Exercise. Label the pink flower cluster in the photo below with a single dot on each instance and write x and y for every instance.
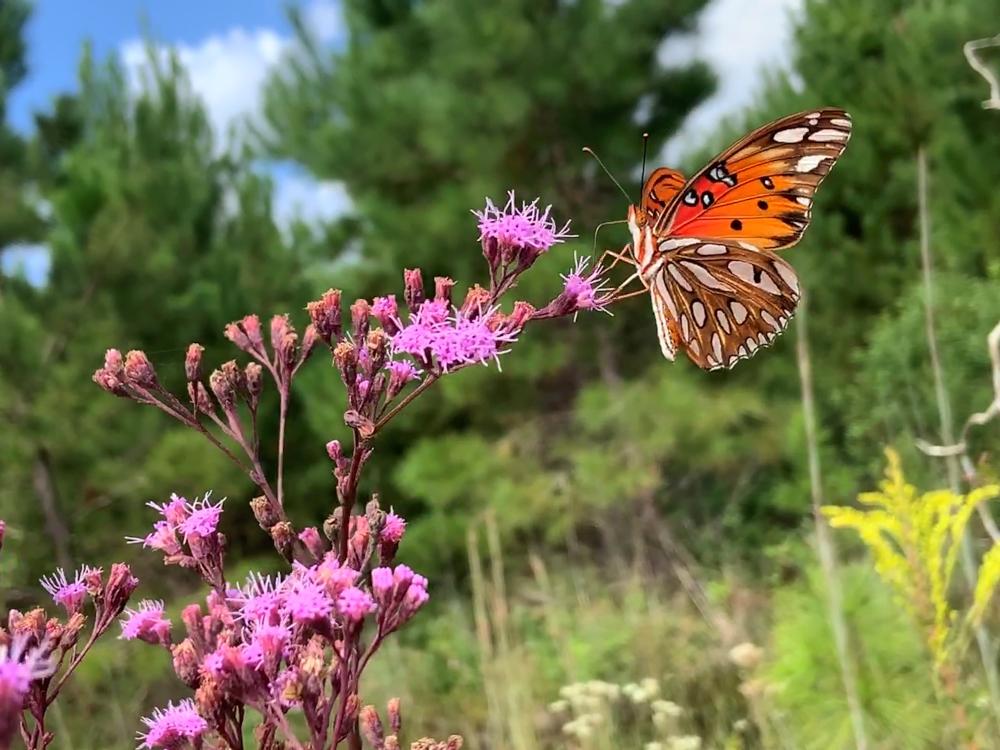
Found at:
(518, 234)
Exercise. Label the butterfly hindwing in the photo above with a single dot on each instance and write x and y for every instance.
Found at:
(725, 300)
(760, 190)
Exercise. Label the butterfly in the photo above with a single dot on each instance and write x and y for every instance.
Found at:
(705, 247)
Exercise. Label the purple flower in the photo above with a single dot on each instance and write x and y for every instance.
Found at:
(403, 370)
(147, 623)
(333, 576)
(304, 599)
(18, 667)
(172, 727)
(394, 527)
(266, 643)
(162, 538)
(173, 512)
(470, 341)
(259, 600)
(584, 289)
(333, 450)
(523, 233)
(67, 594)
(382, 582)
(385, 310)
(354, 604)
(202, 519)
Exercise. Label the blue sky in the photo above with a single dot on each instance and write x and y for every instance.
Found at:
(228, 47)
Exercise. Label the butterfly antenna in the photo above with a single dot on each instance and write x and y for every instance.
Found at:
(589, 150)
(645, 145)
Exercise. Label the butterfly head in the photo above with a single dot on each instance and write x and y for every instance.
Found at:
(643, 242)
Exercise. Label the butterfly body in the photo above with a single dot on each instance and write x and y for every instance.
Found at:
(704, 248)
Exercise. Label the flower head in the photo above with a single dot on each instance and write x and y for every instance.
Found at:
(304, 599)
(470, 341)
(20, 665)
(584, 289)
(395, 526)
(172, 726)
(522, 233)
(68, 594)
(147, 623)
(354, 604)
(259, 599)
(202, 518)
(173, 512)
(163, 538)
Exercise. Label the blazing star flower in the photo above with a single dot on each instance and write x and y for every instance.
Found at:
(354, 604)
(470, 341)
(19, 666)
(523, 233)
(265, 644)
(202, 519)
(259, 600)
(385, 309)
(172, 727)
(67, 594)
(395, 526)
(162, 538)
(585, 289)
(173, 512)
(147, 623)
(382, 582)
(304, 599)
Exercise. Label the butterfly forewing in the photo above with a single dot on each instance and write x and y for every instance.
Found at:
(723, 301)
(660, 189)
(760, 190)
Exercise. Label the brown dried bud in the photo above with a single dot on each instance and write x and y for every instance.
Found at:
(283, 536)
(191, 616)
(253, 377)
(353, 706)
(455, 742)
(395, 716)
(520, 315)
(93, 581)
(309, 341)
(312, 663)
(211, 699)
(287, 351)
(223, 389)
(32, 623)
(442, 288)
(345, 357)
(71, 633)
(263, 512)
(391, 742)
(476, 299)
(139, 370)
(360, 311)
(413, 288)
(192, 362)
(371, 727)
(199, 397)
(325, 315)
(186, 662)
(121, 584)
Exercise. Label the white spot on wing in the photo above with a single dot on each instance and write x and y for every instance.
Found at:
(676, 242)
(828, 134)
(769, 319)
(679, 277)
(742, 270)
(841, 122)
(804, 201)
(698, 310)
(712, 249)
(792, 135)
(685, 327)
(705, 277)
(723, 321)
(787, 275)
(763, 339)
(751, 345)
(809, 162)
(739, 311)
(717, 345)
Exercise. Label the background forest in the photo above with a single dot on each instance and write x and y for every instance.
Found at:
(624, 552)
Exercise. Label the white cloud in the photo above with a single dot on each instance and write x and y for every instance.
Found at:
(228, 71)
(31, 261)
(739, 39)
(301, 197)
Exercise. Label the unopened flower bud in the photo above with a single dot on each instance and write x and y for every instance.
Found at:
(283, 537)
(377, 342)
(192, 362)
(309, 340)
(395, 716)
(520, 315)
(186, 663)
(223, 389)
(234, 375)
(71, 633)
(253, 377)
(199, 396)
(121, 584)
(345, 357)
(251, 326)
(236, 334)
(110, 383)
(310, 537)
(280, 328)
(476, 299)
(386, 312)
(442, 288)
(413, 288)
(334, 451)
(114, 363)
(353, 706)
(325, 315)
(264, 512)
(360, 312)
(139, 370)
(371, 727)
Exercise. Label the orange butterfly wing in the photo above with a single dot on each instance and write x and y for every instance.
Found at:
(660, 189)
(760, 190)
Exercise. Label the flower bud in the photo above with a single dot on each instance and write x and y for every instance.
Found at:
(121, 584)
(280, 328)
(395, 716)
(253, 377)
(309, 340)
(371, 727)
(283, 537)
(114, 363)
(110, 383)
(359, 318)
(192, 362)
(334, 451)
(139, 370)
(345, 357)
(223, 389)
(442, 288)
(325, 315)
(186, 663)
(413, 288)
(199, 396)
(235, 333)
(476, 299)
(251, 327)
(310, 537)
(234, 375)
(520, 315)
(264, 512)
(386, 312)
(71, 633)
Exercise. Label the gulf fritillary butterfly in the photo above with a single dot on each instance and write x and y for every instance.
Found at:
(704, 247)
